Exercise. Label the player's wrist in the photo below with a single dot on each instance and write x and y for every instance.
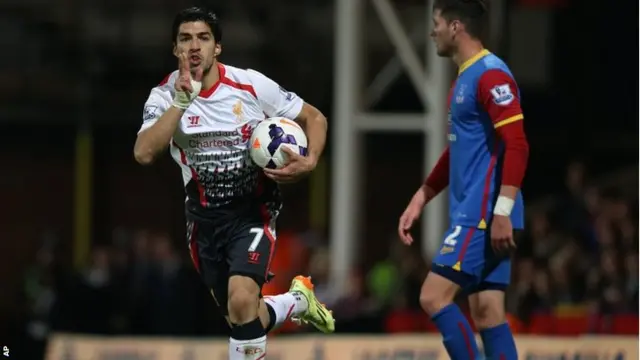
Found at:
(179, 103)
(313, 159)
(182, 99)
(178, 107)
(422, 196)
(504, 206)
(429, 191)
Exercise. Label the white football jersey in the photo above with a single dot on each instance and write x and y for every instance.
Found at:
(211, 144)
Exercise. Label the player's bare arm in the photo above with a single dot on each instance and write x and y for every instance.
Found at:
(154, 140)
(498, 93)
(314, 124)
(437, 181)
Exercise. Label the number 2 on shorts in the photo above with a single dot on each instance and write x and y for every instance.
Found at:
(259, 232)
(452, 239)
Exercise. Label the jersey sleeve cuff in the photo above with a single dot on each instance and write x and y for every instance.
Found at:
(295, 110)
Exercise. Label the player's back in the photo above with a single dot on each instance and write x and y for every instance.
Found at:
(475, 149)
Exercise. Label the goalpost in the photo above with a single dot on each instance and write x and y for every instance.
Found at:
(351, 122)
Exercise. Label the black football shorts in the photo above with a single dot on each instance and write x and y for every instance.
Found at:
(233, 243)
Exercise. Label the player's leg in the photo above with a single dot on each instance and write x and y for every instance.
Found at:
(436, 298)
(248, 336)
(316, 313)
(452, 270)
(299, 304)
(208, 259)
(249, 251)
(276, 309)
(487, 306)
(254, 246)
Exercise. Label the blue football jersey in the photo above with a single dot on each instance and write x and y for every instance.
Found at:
(476, 151)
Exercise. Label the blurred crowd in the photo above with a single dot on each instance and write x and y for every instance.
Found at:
(581, 248)
(579, 252)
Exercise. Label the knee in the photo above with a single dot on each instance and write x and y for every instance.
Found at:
(242, 304)
(435, 295)
(487, 315)
(432, 302)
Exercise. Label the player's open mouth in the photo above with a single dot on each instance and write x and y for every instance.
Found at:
(194, 59)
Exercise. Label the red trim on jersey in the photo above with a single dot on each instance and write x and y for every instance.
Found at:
(465, 244)
(498, 111)
(266, 220)
(221, 73)
(165, 80)
(194, 175)
(223, 79)
(487, 183)
(193, 247)
(516, 153)
(438, 178)
(244, 87)
(507, 120)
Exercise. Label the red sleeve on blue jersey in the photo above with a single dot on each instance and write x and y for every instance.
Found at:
(438, 178)
(498, 94)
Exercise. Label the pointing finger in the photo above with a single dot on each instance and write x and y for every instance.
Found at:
(183, 64)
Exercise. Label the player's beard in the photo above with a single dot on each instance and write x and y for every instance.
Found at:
(207, 68)
(445, 51)
(205, 71)
(446, 48)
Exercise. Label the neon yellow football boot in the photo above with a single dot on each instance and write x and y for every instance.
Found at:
(317, 314)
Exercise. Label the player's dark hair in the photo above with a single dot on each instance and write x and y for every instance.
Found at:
(472, 13)
(196, 13)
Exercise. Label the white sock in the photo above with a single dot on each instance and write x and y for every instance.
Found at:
(287, 305)
(255, 349)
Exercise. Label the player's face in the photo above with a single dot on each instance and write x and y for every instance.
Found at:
(196, 40)
(442, 35)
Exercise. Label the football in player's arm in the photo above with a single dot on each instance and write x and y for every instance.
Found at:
(212, 219)
(154, 139)
(309, 117)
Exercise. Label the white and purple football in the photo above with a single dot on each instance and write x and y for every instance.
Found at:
(270, 136)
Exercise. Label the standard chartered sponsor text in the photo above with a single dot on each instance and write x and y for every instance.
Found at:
(213, 143)
(213, 139)
(209, 134)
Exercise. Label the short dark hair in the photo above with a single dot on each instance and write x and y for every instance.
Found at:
(196, 13)
(472, 13)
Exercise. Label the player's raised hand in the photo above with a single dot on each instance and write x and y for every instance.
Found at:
(502, 234)
(187, 86)
(410, 215)
(296, 168)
